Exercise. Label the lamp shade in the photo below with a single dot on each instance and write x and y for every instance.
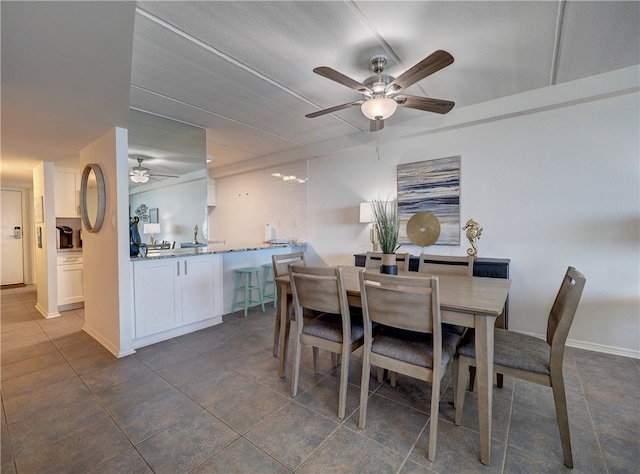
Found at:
(151, 228)
(382, 107)
(366, 213)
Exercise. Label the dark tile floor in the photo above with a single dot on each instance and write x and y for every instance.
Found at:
(212, 401)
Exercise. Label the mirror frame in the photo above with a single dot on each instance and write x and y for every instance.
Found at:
(102, 198)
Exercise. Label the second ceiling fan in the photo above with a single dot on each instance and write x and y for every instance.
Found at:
(383, 93)
(141, 174)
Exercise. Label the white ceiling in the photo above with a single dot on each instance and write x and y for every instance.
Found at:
(243, 70)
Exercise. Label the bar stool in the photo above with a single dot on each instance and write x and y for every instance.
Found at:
(267, 280)
(247, 288)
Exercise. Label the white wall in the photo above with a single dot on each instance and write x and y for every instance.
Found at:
(178, 212)
(107, 266)
(45, 257)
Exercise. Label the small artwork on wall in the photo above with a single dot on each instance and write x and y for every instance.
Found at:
(153, 215)
(432, 186)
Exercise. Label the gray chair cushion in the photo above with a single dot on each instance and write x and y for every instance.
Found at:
(413, 347)
(513, 349)
(459, 330)
(329, 326)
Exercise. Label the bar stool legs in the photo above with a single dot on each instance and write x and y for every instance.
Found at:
(269, 292)
(249, 286)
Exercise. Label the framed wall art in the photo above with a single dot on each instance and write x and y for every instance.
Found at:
(432, 186)
(153, 215)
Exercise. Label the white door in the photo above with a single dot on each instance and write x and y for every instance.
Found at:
(11, 238)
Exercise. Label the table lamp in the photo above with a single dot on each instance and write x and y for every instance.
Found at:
(366, 217)
(152, 229)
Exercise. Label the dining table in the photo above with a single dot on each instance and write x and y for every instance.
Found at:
(473, 302)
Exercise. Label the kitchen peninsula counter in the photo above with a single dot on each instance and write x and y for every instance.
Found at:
(178, 291)
(213, 248)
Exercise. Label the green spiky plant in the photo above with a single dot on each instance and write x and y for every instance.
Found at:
(386, 224)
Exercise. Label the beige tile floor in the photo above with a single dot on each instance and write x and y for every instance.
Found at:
(212, 401)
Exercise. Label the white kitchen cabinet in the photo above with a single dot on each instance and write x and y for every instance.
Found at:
(200, 300)
(170, 293)
(67, 193)
(70, 279)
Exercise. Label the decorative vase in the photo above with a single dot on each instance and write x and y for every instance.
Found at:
(134, 237)
(389, 265)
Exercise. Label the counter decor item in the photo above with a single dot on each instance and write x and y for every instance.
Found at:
(195, 235)
(423, 229)
(474, 231)
(134, 237)
(387, 228)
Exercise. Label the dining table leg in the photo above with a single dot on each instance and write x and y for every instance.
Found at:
(283, 314)
(484, 336)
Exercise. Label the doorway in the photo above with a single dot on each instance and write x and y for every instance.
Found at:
(12, 268)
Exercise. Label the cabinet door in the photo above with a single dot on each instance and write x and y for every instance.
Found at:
(201, 297)
(157, 296)
(66, 193)
(70, 285)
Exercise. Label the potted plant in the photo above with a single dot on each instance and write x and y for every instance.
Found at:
(387, 226)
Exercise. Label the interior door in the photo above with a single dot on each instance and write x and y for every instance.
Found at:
(11, 238)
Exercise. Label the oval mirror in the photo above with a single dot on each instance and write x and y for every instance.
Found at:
(92, 197)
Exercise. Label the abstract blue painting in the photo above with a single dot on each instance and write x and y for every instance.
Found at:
(432, 186)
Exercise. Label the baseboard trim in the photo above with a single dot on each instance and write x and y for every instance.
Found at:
(46, 314)
(592, 346)
(107, 344)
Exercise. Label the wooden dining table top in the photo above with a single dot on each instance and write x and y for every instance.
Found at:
(462, 294)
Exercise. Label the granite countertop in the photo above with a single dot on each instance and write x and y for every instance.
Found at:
(213, 248)
(74, 249)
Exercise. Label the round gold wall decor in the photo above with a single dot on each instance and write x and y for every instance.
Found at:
(423, 229)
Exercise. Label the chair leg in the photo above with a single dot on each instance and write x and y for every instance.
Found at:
(560, 400)
(433, 421)
(334, 360)
(344, 383)
(454, 377)
(296, 366)
(472, 377)
(247, 293)
(463, 369)
(287, 332)
(276, 336)
(393, 378)
(259, 288)
(364, 389)
(316, 360)
(380, 374)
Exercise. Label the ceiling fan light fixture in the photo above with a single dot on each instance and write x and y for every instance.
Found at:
(382, 107)
(139, 178)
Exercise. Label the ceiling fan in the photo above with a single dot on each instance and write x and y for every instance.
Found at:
(141, 174)
(382, 92)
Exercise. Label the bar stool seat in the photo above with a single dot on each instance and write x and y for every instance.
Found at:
(267, 279)
(247, 287)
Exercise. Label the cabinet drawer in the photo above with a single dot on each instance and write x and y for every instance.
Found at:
(70, 258)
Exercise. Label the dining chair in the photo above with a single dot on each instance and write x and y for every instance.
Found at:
(322, 289)
(409, 340)
(451, 265)
(446, 264)
(281, 264)
(532, 359)
(374, 260)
